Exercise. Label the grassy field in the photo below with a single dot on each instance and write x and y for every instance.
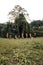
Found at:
(21, 51)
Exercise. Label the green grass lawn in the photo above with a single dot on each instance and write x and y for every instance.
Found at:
(21, 51)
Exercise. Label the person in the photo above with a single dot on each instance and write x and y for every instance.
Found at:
(26, 35)
(7, 35)
(10, 35)
(18, 36)
(30, 35)
(22, 35)
(15, 36)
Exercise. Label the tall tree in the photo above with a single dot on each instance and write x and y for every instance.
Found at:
(14, 13)
(18, 16)
(22, 25)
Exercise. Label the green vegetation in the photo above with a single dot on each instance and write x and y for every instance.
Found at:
(21, 51)
(37, 27)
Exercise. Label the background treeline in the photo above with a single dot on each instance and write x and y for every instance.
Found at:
(22, 26)
(37, 27)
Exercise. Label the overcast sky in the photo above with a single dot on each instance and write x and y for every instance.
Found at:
(33, 7)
